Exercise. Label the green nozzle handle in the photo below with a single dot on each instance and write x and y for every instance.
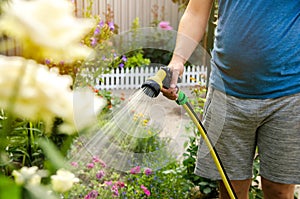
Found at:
(182, 98)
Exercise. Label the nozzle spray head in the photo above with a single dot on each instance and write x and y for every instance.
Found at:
(153, 85)
(151, 88)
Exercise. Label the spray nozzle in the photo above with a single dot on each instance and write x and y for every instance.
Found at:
(162, 78)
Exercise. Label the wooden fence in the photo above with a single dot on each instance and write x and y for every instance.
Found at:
(134, 78)
(124, 12)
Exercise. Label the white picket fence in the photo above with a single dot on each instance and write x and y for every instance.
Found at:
(135, 77)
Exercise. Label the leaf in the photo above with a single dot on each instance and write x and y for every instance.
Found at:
(207, 190)
(203, 183)
(8, 189)
(169, 171)
(53, 154)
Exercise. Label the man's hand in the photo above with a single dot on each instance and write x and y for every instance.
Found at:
(177, 71)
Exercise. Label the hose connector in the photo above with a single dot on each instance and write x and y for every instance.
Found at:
(182, 98)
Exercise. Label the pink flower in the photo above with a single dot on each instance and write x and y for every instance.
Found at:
(165, 25)
(120, 184)
(146, 191)
(90, 165)
(92, 195)
(74, 164)
(108, 183)
(103, 164)
(97, 160)
(135, 170)
(100, 175)
(148, 171)
(115, 190)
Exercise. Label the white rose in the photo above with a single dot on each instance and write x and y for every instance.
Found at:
(40, 94)
(27, 175)
(46, 29)
(63, 181)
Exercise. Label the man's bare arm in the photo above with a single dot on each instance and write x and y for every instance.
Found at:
(191, 29)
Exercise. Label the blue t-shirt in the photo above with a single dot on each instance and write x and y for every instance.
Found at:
(257, 48)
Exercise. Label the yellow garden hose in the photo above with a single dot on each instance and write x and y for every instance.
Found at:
(212, 150)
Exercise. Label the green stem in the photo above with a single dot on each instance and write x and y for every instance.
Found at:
(30, 141)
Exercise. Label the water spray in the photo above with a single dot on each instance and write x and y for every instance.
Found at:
(152, 88)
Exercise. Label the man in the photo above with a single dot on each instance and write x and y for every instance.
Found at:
(254, 89)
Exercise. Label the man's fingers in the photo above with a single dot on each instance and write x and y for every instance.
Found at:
(170, 93)
(175, 75)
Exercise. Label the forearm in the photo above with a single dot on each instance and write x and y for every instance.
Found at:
(191, 29)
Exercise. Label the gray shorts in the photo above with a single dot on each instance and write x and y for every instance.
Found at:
(237, 126)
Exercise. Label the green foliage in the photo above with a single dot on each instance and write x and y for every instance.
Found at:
(146, 144)
(255, 191)
(8, 189)
(136, 60)
(54, 160)
(21, 143)
(206, 186)
(198, 99)
(158, 55)
(22, 147)
(130, 60)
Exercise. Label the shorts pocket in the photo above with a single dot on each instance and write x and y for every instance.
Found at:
(207, 103)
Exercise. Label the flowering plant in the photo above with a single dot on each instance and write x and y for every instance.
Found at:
(31, 177)
(100, 181)
(165, 25)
